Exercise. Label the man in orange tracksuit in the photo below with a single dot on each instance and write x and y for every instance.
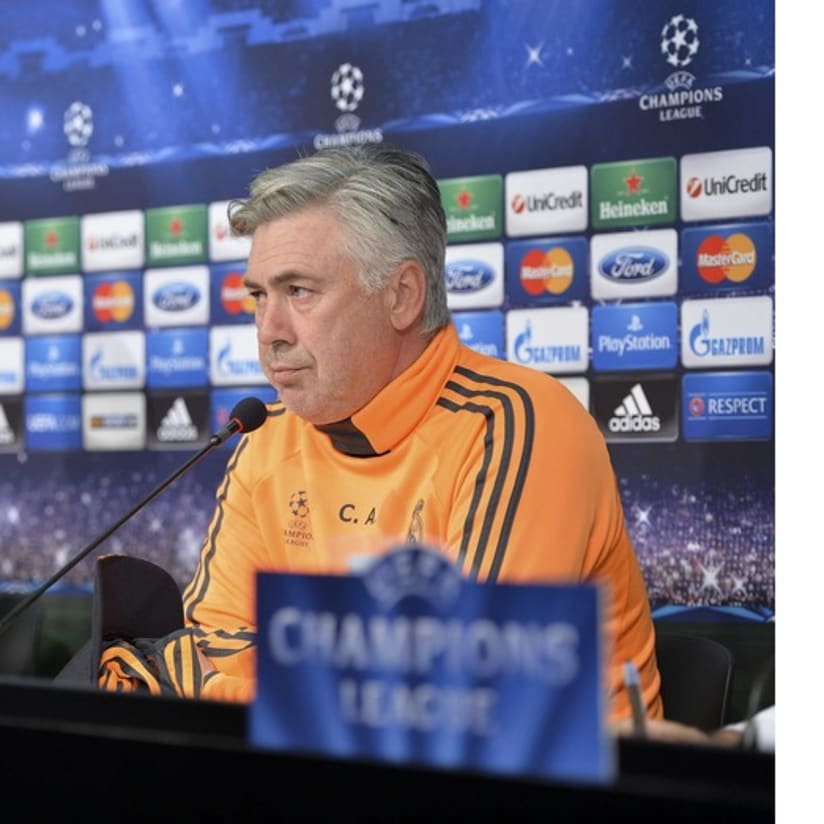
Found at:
(388, 430)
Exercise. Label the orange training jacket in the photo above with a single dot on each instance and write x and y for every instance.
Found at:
(498, 464)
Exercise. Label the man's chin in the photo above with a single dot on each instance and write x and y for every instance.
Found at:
(299, 407)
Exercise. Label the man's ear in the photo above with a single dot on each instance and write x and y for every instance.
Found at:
(406, 295)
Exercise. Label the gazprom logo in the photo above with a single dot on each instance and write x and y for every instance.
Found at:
(176, 297)
(52, 305)
(466, 276)
(229, 364)
(633, 264)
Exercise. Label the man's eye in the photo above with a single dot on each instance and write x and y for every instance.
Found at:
(297, 291)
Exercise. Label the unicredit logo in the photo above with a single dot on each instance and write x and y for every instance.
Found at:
(548, 202)
(727, 185)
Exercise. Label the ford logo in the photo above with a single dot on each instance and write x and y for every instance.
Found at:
(633, 264)
(51, 305)
(176, 297)
(468, 275)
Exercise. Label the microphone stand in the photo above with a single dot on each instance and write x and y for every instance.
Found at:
(26, 602)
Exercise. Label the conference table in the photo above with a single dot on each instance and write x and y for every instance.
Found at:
(83, 752)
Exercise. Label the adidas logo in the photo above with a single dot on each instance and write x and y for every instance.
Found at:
(177, 424)
(634, 414)
(6, 432)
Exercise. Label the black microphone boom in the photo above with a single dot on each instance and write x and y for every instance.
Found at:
(248, 414)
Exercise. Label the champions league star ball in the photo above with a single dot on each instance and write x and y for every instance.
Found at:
(347, 87)
(299, 504)
(78, 124)
(679, 40)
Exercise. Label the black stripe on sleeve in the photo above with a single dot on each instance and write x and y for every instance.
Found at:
(509, 436)
(479, 478)
(210, 544)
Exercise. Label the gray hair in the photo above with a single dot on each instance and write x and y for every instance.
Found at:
(385, 197)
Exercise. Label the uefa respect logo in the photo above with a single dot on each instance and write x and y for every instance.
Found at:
(681, 98)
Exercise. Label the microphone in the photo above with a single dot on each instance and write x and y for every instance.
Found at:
(247, 415)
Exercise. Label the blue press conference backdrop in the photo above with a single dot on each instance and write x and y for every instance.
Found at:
(607, 169)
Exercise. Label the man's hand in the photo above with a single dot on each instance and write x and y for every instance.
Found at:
(658, 729)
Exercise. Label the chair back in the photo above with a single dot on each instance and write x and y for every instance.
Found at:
(696, 679)
(133, 598)
(18, 642)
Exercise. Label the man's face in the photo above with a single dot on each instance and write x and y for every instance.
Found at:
(324, 344)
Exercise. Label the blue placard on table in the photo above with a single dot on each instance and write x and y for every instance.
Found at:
(411, 664)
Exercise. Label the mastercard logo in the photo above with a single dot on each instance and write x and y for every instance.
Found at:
(6, 309)
(551, 271)
(113, 302)
(234, 296)
(731, 258)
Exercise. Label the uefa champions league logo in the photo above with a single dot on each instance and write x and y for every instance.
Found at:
(78, 124)
(680, 99)
(347, 89)
(679, 41)
(78, 171)
(413, 570)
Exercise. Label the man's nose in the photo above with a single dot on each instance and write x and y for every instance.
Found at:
(274, 322)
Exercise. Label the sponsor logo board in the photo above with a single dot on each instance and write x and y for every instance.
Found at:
(52, 245)
(230, 299)
(635, 336)
(727, 332)
(727, 406)
(634, 264)
(728, 257)
(223, 245)
(233, 356)
(474, 274)
(10, 301)
(53, 363)
(112, 240)
(473, 206)
(636, 409)
(176, 235)
(633, 193)
(177, 296)
(482, 331)
(177, 357)
(553, 339)
(546, 201)
(114, 421)
(178, 420)
(114, 360)
(12, 366)
(11, 249)
(731, 183)
(114, 301)
(52, 305)
(547, 270)
(53, 423)
(11, 424)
